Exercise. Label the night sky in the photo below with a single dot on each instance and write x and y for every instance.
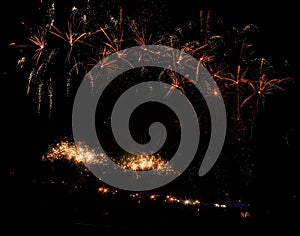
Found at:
(273, 189)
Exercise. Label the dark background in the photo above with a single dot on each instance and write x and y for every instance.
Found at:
(277, 172)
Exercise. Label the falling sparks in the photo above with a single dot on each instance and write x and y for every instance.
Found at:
(50, 95)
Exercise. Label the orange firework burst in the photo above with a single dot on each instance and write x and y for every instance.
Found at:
(37, 36)
(145, 163)
(79, 153)
(82, 154)
(39, 40)
(73, 36)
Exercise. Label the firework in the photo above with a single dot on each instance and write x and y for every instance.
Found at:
(227, 57)
(114, 35)
(39, 40)
(145, 163)
(79, 154)
(263, 86)
(245, 79)
(177, 81)
(37, 36)
(82, 154)
(140, 34)
(259, 89)
(72, 36)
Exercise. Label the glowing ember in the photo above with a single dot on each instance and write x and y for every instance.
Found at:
(145, 163)
(68, 150)
(83, 154)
